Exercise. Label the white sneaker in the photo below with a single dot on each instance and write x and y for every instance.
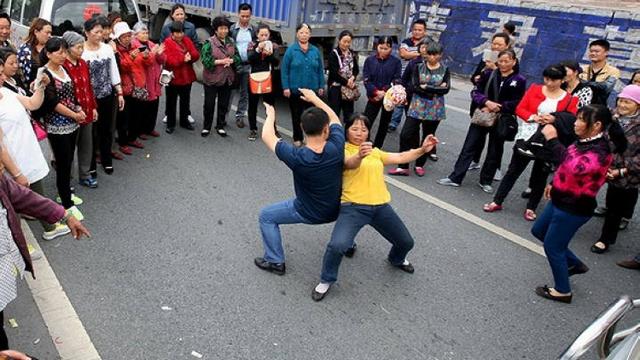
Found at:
(59, 230)
(498, 175)
(191, 119)
(164, 120)
(474, 166)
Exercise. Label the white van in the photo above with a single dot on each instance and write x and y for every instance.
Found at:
(63, 14)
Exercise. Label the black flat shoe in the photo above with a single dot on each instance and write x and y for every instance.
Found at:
(278, 269)
(351, 251)
(578, 269)
(317, 296)
(169, 130)
(221, 132)
(597, 250)
(188, 127)
(108, 170)
(408, 268)
(205, 133)
(543, 291)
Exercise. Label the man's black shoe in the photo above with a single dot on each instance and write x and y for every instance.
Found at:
(408, 268)
(351, 251)
(278, 269)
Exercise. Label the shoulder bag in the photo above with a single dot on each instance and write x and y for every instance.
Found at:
(482, 118)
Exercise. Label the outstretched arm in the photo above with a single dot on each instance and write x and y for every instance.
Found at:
(410, 155)
(310, 96)
(268, 128)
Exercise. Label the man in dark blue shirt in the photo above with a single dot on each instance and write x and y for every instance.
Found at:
(317, 175)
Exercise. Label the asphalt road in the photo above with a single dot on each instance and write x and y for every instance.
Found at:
(176, 225)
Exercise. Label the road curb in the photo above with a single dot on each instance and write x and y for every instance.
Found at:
(67, 332)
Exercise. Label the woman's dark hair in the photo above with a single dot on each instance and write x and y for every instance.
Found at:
(352, 120)
(345, 33)
(591, 114)
(301, 25)
(384, 40)
(99, 20)
(5, 52)
(555, 72)
(263, 26)
(113, 16)
(510, 27)
(176, 27)
(572, 64)
(1, 62)
(635, 73)
(510, 52)
(176, 7)
(5, 16)
(505, 36)
(36, 25)
(433, 48)
(219, 21)
(54, 44)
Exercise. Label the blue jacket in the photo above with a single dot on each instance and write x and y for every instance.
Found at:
(379, 74)
(189, 30)
(300, 70)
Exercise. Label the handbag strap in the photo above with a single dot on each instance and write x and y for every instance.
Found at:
(490, 82)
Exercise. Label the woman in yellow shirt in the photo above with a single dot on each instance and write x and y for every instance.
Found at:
(365, 201)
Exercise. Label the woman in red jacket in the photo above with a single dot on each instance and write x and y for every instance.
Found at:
(133, 80)
(181, 54)
(542, 104)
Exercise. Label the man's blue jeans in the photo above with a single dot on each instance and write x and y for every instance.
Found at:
(555, 228)
(354, 217)
(396, 117)
(270, 218)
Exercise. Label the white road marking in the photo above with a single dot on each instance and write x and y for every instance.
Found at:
(464, 215)
(67, 332)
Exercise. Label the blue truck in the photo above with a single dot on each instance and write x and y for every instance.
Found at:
(367, 19)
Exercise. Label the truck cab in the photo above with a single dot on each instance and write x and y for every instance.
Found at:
(63, 14)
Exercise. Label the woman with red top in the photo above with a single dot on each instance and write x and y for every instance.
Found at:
(541, 104)
(149, 108)
(133, 80)
(181, 54)
(78, 70)
(582, 170)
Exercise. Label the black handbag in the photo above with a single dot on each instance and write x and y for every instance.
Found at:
(507, 127)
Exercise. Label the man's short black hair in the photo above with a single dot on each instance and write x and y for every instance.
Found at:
(245, 6)
(419, 22)
(4, 15)
(602, 43)
(313, 121)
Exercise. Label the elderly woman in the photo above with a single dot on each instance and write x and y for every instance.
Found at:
(301, 68)
(181, 54)
(149, 107)
(133, 62)
(343, 71)
(29, 52)
(105, 80)
(15, 258)
(78, 70)
(365, 201)
(220, 58)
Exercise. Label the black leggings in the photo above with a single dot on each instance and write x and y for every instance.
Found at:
(620, 203)
(102, 134)
(63, 147)
(338, 104)
(297, 106)
(254, 100)
(538, 181)
(410, 137)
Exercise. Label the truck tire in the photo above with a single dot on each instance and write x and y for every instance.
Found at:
(203, 35)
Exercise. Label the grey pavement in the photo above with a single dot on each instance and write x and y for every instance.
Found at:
(176, 225)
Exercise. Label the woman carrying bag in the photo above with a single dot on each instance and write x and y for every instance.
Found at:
(263, 60)
(497, 93)
(343, 71)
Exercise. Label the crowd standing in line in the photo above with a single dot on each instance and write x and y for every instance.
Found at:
(83, 91)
